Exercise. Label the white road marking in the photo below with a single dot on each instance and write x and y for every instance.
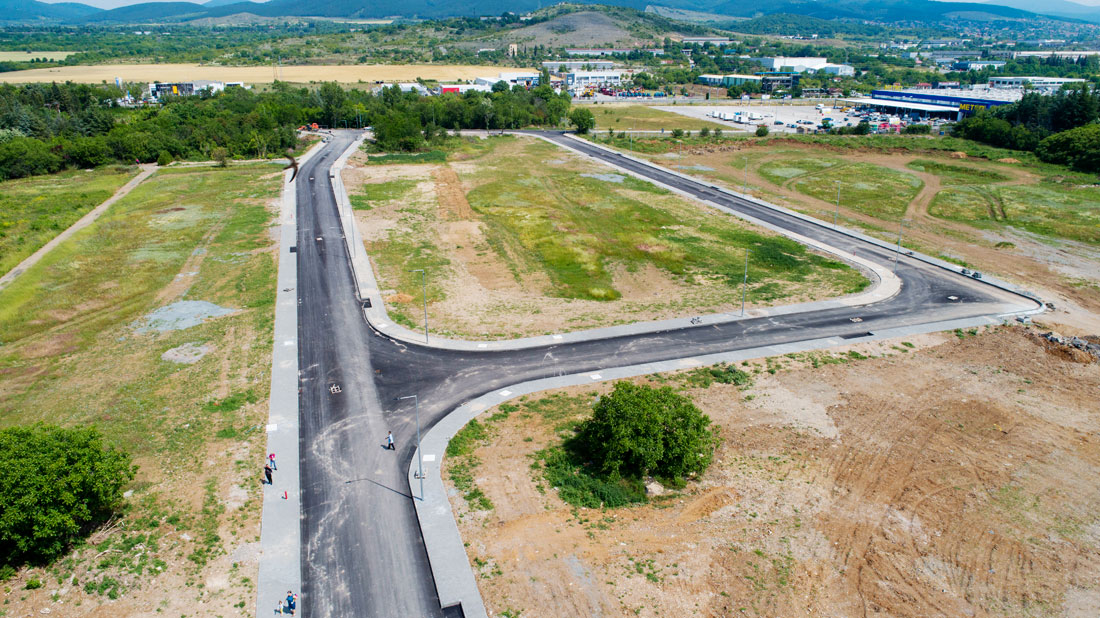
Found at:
(504, 393)
(557, 336)
(482, 345)
(596, 376)
(429, 457)
(288, 342)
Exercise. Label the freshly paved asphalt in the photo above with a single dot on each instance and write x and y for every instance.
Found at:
(362, 552)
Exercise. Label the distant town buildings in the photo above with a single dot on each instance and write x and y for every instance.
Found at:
(577, 65)
(608, 51)
(714, 40)
(1038, 83)
(978, 65)
(158, 90)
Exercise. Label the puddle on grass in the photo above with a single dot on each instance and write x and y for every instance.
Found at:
(181, 315)
(615, 178)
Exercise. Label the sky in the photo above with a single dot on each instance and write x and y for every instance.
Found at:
(114, 4)
(111, 4)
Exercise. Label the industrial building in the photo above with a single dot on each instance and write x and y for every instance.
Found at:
(978, 65)
(778, 80)
(577, 80)
(157, 90)
(557, 66)
(703, 40)
(512, 78)
(804, 65)
(728, 81)
(941, 103)
(1038, 83)
(608, 51)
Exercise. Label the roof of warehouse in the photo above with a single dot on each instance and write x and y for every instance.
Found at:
(923, 107)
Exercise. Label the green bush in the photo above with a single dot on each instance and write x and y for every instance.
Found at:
(55, 486)
(639, 430)
(582, 119)
(164, 158)
(1078, 148)
(918, 129)
(761, 131)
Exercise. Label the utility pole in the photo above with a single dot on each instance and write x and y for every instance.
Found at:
(419, 454)
(836, 213)
(745, 283)
(745, 186)
(897, 256)
(424, 293)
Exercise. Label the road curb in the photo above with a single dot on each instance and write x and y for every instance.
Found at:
(454, 578)
(884, 284)
(280, 567)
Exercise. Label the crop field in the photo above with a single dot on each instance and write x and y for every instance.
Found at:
(625, 117)
(27, 56)
(348, 74)
(34, 210)
(108, 330)
(520, 237)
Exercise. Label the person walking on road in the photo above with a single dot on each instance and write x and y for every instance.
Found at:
(267, 473)
(389, 442)
(291, 602)
(271, 459)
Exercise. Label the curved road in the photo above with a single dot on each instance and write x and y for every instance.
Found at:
(362, 552)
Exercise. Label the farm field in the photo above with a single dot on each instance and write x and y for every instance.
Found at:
(1030, 223)
(26, 56)
(348, 74)
(34, 210)
(625, 117)
(154, 324)
(828, 495)
(519, 237)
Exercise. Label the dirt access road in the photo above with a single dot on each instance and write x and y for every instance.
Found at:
(966, 488)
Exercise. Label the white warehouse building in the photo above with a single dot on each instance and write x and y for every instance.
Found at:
(588, 79)
(805, 65)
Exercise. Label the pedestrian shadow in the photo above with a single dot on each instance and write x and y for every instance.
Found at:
(386, 487)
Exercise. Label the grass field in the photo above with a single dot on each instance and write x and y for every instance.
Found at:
(27, 56)
(1049, 208)
(73, 355)
(519, 237)
(643, 118)
(348, 74)
(34, 210)
(864, 187)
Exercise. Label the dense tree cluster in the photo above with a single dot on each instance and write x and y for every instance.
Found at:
(1060, 129)
(47, 127)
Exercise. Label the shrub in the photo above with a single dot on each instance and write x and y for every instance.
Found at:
(638, 430)
(1078, 148)
(25, 156)
(582, 119)
(164, 158)
(677, 133)
(761, 131)
(56, 484)
(918, 129)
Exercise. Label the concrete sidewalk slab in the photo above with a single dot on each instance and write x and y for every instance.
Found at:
(280, 531)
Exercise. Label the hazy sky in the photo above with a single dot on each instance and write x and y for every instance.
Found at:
(112, 4)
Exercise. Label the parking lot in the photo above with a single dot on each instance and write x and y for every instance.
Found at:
(779, 117)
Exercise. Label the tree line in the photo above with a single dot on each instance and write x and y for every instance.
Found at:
(45, 128)
(1059, 129)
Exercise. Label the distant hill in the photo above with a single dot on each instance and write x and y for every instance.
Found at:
(149, 12)
(1059, 8)
(874, 10)
(32, 10)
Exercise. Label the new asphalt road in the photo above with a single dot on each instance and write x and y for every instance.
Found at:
(362, 552)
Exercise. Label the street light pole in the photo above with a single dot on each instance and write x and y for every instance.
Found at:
(836, 213)
(745, 283)
(424, 293)
(745, 185)
(897, 256)
(419, 454)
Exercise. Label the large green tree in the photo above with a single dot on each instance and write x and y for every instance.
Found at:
(582, 119)
(55, 484)
(637, 430)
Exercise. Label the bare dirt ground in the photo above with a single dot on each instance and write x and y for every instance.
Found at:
(956, 477)
(485, 297)
(1062, 272)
